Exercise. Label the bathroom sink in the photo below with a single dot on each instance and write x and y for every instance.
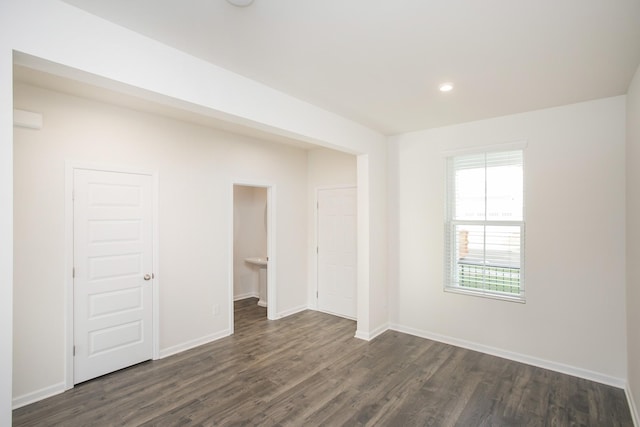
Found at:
(262, 278)
(259, 261)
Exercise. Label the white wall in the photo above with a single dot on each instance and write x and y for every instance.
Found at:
(6, 231)
(249, 238)
(326, 168)
(373, 308)
(115, 57)
(633, 246)
(573, 319)
(196, 166)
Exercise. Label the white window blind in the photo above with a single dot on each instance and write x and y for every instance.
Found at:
(484, 229)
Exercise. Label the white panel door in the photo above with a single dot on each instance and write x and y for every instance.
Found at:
(112, 297)
(337, 244)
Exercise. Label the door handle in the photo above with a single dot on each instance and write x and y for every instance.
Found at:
(147, 277)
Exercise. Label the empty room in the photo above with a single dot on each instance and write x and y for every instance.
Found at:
(285, 212)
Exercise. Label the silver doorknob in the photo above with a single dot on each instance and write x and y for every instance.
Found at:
(147, 277)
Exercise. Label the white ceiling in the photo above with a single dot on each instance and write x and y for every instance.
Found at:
(379, 62)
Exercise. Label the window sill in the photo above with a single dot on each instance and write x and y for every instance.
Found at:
(518, 299)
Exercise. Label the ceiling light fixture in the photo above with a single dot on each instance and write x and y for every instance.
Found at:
(446, 87)
(240, 3)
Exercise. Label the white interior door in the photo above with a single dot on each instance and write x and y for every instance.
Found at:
(337, 244)
(112, 297)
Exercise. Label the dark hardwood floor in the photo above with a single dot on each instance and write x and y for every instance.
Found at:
(308, 370)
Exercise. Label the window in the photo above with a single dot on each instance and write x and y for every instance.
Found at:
(484, 230)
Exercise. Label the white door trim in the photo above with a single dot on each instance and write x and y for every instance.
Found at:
(70, 166)
(271, 247)
(317, 243)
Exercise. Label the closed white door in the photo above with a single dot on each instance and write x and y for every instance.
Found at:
(337, 244)
(113, 278)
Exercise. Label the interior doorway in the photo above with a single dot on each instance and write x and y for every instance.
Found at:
(337, 251)
(112, 300)
(252, 246)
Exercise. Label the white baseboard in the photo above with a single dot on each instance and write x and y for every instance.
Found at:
(170, 351)
(291, 311)
(632, 406)
(37, 395)
(245, 296)
(517, 357)
(332, 313)
(34, 396)
(368, 336)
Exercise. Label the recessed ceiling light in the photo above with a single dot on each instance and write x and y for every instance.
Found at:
(446, 87)
(240, 3)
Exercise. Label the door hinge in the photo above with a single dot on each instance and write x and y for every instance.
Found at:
(74, 350)
(317, 250)
(316, 294)
(73, 273)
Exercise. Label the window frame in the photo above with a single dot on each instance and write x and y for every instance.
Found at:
(451, 261)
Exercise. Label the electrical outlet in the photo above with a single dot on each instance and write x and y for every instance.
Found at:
(216, 309)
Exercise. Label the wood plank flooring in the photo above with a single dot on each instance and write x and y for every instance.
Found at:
(308, 370)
